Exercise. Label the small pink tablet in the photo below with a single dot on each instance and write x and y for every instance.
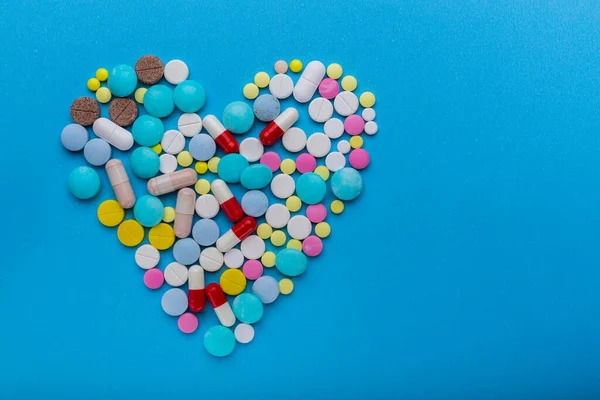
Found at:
(329, 88)
(359, 158)
(154, 278)
(312, 246)
(252, 269)
(354, 124)
(187, 323)
(316, 213)
(306, 163)
(271, 160)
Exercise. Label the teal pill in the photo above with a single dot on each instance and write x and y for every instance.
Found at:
(189, 96)
(231, 167)
(144, 162)
(158, 101)
(84, 183)
(122, 81)
(248, 308)
(256, 176)
(311, 188)
(346, 184)
(149, 211)
(147, 130)
(238, 117)
(219, 341)
(291, 262)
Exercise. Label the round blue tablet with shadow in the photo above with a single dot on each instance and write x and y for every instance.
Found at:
(148, 211)
(74, 137)
(266, 288)
(346, 184)
(144, 162)
(247, 308)
(291, 262)
(255, 203)
(238, 117)
(266, 107)
(186, 251)
(174, 302)
(147, 130)
(122, 80)
(158, 101)
(97, 152)
(84, 183)
(219, 341)
(231, 167)
(189, 96)
(311, 188)
(205, 232)
(256, 176)
(202, 147)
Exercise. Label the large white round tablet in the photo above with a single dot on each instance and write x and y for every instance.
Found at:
(281, 86)
(283, 186)
(335, 160)
(176, 274)
(189, 124)
(168, 163)
(252, 149)
(211, 259)
(320, 109)
(244, 333)
(334, 128)
(368, 114)
(234, 258)
(346, 103)
(318, 144)
(147, 256)
(207, 206)
(299, 227)
(294, 139)
(173, 142)
(343, 146)
(176, 71)
(253, 247)
(371, 128)
(277, 216)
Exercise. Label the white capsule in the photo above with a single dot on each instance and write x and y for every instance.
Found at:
(196, 278)
(221, 190)
(213, 126)
(227, 241)
(225, 314)
(309, 81)
(184, 212)
(287, 118)
(113, 134)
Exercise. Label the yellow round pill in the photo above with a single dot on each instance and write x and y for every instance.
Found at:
(262, 79)
(169, 215)
(294, 244)
(130, 233)
(264, 231)
(322, 229)
(93, 84)
(356, 142)
(268, 259)
(334, 71)
(102, 74)
(202, 186)
(278, 238)
(322, 171)
(287, 166)
(296, 65)
(103, 95)
(185, 158)
(157, 148)
(139, 95)
(233, 281)
(250, 91)
(367, 99)
(293, 203)
(286, 286)
(213, 164)
(201, 167)
(162, 236)
(337, 207)
(110, 213)
(349, 83)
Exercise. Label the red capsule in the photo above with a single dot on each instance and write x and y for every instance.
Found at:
(228, 202)
(218, 300)
(277, 128)
(223, 138)
(239, 232)
(196, 295)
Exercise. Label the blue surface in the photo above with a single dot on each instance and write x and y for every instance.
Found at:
(472, 251)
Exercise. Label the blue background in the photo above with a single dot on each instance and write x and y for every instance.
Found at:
(468, 269)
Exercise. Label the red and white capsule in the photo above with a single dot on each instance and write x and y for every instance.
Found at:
(184, 212)
(239, 232)
(196, 292)
(277, 128)
(218, 300)
(223, 138)
(227, 200)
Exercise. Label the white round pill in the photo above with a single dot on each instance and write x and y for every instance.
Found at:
(233, 258)
(371, 128)
(343, 146)
(253, 247)
(318, 144)
(299, 227)
(207, 206)
(244, 333)
(368, 114)
(294, 140)
(320, 109)
(147, 256)
(335, 160)
(176, 71)
(346, 103)
(189, 124)
(173, 142)
(211, 259)
(283, 186)
(176, 274)
(277, 216)
(252, 149)
(168, 163)
(334, 128)
(281, 86)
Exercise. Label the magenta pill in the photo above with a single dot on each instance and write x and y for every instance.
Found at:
(329, 88)
(187, 322)
(359, 158)
(312, 246)
(271, 160)
(252, 269)
(154, 278)
(354, 124)
(316, 213)
(306, 163)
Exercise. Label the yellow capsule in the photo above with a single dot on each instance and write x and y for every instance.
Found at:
(102, 74)
(296, 65)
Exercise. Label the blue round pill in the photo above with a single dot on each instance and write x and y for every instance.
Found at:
(266, 107)
(122, 80)
(202, 147)
(291, 262)
(174, 302)
(97, 152)
(311, 188)
(74, 137)
(346, 184)
(147, 130)
(144, 162)
(247, 308)
(238, 117)
(84, 183)
(158, 101)
(205, 232)
(231, 167)
(189, 96)
(266, 288)
(255, 203)
(148, 210)
(186, 251)
(219, 341)
(256, 176)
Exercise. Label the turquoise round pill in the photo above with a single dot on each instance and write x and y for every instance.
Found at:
(346, 184)
(256, 176)
(147, 130)
(311, 188)
(238, 117)
(291, 262)
(231, 167)
(122, 80)
(219, 341)
(189, 96)
(149, 211)
(158, 101)
(144, 162)
(84, 183)
(247, 308)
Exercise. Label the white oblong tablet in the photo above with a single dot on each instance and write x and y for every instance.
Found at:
(207, 206)
(294, 140)
(334, 128)
(147, 256)
(253, 247)
(309, 81)
(368, 114)
(281, 86)
(189, 124)
(283, 186)
(277, 216)
(176, 71)
(252, 149)
(320, 109)
(371, 128)
(244, 333)
(334, 161)
(234, 258)
(173, 142)
(318, 144)
(345, 103)
(343, 146)
(176, 274)
(168, 163)
(211, 259)
(299, 227)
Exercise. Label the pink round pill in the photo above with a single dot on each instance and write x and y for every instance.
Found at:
(354, 124)
(252, 269)
(306, 163)
(271, 160)
(329, 88)
(316, 213)
(359, 158)
(312, 246)
(154, 278)
(187, 323)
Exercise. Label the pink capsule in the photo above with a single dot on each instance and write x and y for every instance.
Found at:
(172, 181)
(184, 212)
(120, 183)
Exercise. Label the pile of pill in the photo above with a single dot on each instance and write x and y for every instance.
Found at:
(207, 203)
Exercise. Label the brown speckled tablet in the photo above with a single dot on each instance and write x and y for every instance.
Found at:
(149, 69)
(123, 111)
(85, 111)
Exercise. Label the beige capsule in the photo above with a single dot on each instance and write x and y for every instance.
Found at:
(172, 181)
(120, 183)
(184, 212)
